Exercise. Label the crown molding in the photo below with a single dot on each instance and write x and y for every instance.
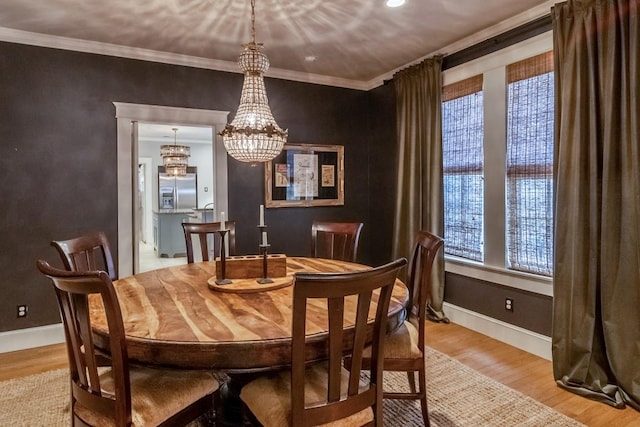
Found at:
(66, 43)
(86, 46)
(501, 27)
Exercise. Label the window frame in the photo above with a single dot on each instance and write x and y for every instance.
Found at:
(493, 69)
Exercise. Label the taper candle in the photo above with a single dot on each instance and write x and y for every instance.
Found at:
(222, 223)
(261, 215)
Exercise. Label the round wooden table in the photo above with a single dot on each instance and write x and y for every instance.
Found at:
(173, 318)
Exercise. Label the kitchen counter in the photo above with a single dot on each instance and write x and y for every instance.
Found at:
(203, 215)
(174, 211)
(168, 234)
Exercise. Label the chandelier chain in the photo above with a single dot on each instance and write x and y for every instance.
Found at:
(253, 21)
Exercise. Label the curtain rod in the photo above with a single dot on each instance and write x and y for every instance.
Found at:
(493, 44)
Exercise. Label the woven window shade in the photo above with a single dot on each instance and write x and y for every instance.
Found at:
(530, 113)
(462, 88)
(530, 67)
(462, 139)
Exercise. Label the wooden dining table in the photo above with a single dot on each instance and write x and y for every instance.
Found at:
(173, 317)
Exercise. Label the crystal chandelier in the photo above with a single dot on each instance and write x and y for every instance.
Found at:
(253, 135)
(175, 157)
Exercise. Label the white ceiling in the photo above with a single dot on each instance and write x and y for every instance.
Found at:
(357, 43)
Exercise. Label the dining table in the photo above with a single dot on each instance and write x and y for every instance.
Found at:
(179, 317)
(174, 318)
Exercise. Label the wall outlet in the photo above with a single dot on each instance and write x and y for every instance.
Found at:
(22, 310)
(508, 304)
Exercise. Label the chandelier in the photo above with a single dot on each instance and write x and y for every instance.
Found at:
(175, 157)
(253, 135)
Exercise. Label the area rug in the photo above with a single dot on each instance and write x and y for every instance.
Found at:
(458, 396)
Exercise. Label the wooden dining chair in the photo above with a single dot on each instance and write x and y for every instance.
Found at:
(120, 394)
(404, 348)
(335, 240)
(204, 231)
(88, 252)
(324, 392)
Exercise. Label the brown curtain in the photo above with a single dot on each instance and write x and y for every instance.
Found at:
(596, 318)
(419, 204)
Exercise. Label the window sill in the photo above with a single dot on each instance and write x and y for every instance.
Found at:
(516, 279)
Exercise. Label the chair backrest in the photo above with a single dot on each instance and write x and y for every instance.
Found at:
(421, 274)
(207, 231)
(335, 240)
(72, 290)
(89, 252)
(351, 292)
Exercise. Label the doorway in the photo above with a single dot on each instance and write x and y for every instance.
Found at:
(128, 118)
(196, 202)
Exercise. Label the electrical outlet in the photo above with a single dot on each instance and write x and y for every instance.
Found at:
(508, 304)
(22, 310)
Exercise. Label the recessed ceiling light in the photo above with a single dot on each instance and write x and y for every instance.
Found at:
(395, 3)
(310, 58)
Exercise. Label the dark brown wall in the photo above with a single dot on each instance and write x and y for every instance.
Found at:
(530, 310)
(314, 114)
(383, 166)
(58, 157)
(58, 167)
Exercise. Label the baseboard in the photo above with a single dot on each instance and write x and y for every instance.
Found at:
(526, 340)
(22, 339)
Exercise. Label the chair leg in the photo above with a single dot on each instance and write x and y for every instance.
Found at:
(412, 381)
(422, 379)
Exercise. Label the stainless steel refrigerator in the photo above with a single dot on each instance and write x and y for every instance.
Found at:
(178, 192)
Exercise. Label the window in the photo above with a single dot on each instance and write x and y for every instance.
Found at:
(462, 134)
(529, 204)
(497, 135)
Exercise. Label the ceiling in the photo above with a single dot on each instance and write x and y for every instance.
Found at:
(355, 43)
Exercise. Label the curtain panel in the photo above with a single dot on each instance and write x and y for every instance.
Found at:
(596, 314)
(419, 203)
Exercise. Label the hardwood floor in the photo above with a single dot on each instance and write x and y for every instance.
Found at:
(21, 363)
(522, 371)
(512, 367)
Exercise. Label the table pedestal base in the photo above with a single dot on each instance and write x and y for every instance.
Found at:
(230, 411)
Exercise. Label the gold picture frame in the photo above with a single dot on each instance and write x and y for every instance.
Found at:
(304, 175)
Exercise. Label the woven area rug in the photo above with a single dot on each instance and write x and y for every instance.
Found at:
(458, 396)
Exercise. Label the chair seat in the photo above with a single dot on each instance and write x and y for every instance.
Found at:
(156, 394)
(269, 397)
(401, 344)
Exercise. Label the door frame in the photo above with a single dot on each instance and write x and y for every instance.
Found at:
(148, 202)
(127, 114)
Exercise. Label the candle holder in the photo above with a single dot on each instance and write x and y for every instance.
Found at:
(223, 261)
(264, 279)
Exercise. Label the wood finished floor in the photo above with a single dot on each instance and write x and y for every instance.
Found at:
(522, 371)
(512, 367)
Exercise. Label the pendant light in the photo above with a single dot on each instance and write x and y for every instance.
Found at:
(253, 136)
(175, 157)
